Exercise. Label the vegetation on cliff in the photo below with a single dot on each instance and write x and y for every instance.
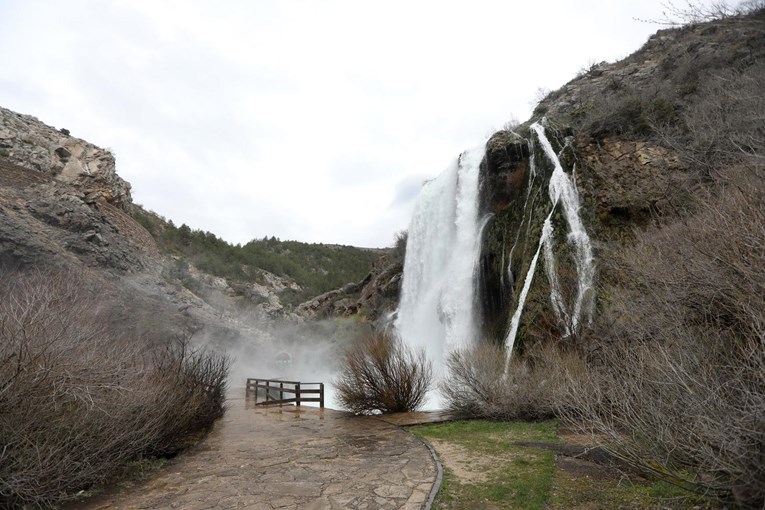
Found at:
(667, 147)
(316, 268)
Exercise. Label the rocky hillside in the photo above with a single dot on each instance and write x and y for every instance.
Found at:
(62, 201)
(270, 275)
(643, 136)
(63, 204)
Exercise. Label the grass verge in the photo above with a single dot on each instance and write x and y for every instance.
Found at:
(484, 468)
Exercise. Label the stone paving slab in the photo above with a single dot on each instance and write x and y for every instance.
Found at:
(289, 458)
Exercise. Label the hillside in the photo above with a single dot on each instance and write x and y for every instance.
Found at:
(311, 269)
(63, 203)
(619, 277)
(621, 271)
(648, 138)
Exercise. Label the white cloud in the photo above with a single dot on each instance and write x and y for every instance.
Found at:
(305, 120)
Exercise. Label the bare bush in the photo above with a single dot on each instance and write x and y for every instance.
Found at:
(727, 127)
(476, 385)
(688, 413)
(399, 246)
(78, 400)
(681, 393)
(380, 374)
(694, 12)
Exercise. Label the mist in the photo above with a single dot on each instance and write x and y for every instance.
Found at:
(288, 349)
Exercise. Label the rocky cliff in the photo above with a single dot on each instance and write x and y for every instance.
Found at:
(27, 142)
(62, 204)
(374, 297)
(62, 201)
(642, 137)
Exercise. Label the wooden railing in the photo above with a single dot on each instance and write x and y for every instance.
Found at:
(273, 391)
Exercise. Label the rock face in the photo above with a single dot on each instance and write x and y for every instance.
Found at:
(62, 201)
(43, 220)
(27, 142)
(629, 133)
(374, 297)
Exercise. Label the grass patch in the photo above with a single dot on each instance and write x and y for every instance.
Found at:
(573, 492)
(483, 468)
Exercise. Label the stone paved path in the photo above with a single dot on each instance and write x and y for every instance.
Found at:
(289, 458)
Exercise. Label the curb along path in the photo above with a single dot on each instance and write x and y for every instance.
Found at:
(289, 458)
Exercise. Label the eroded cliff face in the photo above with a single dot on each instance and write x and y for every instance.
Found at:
(640, 136)
(374, 298)
(44, 220)
(29, 143)
(61, 201)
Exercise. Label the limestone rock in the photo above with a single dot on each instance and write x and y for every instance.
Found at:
(27, 142)
(374, 297)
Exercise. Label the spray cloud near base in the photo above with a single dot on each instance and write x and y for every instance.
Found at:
(437, 311)
(307, 351)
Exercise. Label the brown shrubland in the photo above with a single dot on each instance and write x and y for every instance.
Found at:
(380, 374)
(79, 400)
(677, 387)
(476, 386)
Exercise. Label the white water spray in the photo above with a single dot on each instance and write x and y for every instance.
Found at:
(562, 190)
(436, 311)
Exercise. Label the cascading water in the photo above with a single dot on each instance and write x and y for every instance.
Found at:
(436, 311)
(562, 190)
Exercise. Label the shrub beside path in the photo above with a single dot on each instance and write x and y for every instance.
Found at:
(288, 458)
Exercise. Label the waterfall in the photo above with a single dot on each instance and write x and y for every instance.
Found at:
(562, 191)
(436, 311)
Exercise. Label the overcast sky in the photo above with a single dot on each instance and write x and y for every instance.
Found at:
(308, 120)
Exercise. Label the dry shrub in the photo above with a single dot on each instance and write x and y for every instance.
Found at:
(726, 127)
(78, 401)
(381, 374)
(476, 385)
(680, 392)
(688, 413)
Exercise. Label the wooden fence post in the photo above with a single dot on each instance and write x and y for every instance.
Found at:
(321, 395)
(297, 394)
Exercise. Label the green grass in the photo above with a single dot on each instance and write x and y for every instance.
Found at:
(503, 475)
(621, 492)
(140, 469)
(484, 469)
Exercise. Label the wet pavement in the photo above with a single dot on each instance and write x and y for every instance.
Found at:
(289, 458)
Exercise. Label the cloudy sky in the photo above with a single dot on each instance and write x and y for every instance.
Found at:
(307, 120)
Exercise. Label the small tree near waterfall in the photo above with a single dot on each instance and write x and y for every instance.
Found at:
(382, 375)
